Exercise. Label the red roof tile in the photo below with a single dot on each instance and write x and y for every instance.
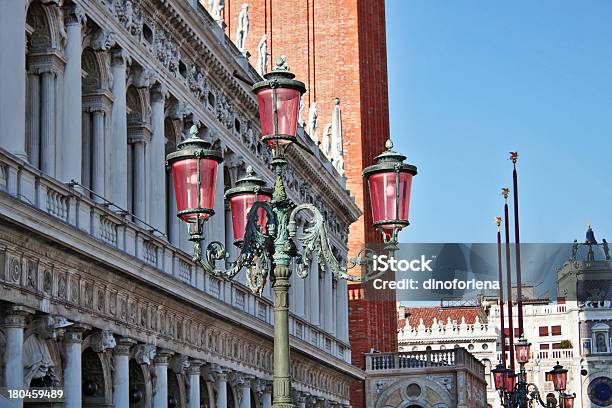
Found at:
(441, 314)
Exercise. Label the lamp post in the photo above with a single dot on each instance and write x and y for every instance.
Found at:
(522, 394)
(264, 220)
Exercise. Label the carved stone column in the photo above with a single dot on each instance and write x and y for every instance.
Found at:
(121, 377)
(73, 339)
(71, 138)
(195, 366)
(342, 310)
(12, 77)
(139, 184)
(243, 383)
(157, 172)
(161, 360)
(47, 123)
(97, 158)
(266, 398)
(118, 147)
(327, 299)
(313, 278)
(34, 119)
(220, 375)
(13, 324)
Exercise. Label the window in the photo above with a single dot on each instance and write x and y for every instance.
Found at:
(555, 330)
(545, 346)
(543, 331)
(601, 338)
(556, 346)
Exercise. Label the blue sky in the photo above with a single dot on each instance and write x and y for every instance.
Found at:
(470, 81)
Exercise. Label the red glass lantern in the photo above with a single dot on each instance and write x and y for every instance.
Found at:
(499, 377)
(567, 400)
(559, 377)
(509, 381)
(389, 183)
(194, 171)
(248, 190)
(522, 349)
(278, 97)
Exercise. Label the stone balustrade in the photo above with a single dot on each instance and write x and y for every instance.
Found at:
(24, 183)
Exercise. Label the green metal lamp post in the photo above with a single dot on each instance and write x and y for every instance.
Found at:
(264, 220)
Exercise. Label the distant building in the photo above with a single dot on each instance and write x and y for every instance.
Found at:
(586, 283)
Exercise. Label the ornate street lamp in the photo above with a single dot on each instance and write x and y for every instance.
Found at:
(278, 96)
(522, 348)
(558, 376)
(523, 394)
(499, 377)
(265, 222)
(389, 183)
(194, 171)
(249, 189)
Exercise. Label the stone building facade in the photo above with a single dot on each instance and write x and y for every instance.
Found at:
(99, 294)
(425, 379)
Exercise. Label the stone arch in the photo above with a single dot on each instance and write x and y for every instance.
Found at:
(176, 388)
(140, 381)
(432, 394)
(232, 397)
(207, 393)
(96, 377)
(91, 65)
(40, 28)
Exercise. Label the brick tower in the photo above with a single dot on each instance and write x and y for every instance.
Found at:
(338, 49)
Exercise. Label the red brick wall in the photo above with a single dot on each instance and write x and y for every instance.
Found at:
(338, 48)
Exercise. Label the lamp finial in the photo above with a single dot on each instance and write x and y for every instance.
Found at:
(193, 131)
(389, 144)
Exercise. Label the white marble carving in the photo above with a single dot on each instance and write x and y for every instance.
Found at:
(262, 55)
(243, 28)
(312, 122)
(216, 9)
(326, 140)
(336, 133)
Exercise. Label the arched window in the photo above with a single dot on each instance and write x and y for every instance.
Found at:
(41, 98)
(139, 134)
(96, 108)
(487, 366)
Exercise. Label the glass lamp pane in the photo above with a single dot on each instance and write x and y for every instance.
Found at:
(185, 175)
(240, 205)
(498, 378)
(559, 381)
(567, 401)
(383, 197)
(287, 106)
(522, 353)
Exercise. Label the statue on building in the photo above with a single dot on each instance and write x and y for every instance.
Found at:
(301, 121)
(262, 55)
(326, 140)
(243, 28)
(37, 360)
(574, 250)
(312, 122)
(216, 9)
(606, 249)
(336, 131)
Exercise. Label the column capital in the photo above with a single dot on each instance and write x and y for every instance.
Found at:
(74, 14)
(144, 353)
(195, 366)
(124, 344)
(219, 372)
(162, 356)
(74, 333)
(159, 92)
(15, 316)
(241, 379)
(120, 57)
(102, 340)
